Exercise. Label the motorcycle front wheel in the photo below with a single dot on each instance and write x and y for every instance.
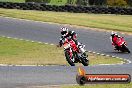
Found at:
(67, 55)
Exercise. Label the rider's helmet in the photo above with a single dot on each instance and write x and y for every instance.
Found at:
(114, 34)
(64, 31)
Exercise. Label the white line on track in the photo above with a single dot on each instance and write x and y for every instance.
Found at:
(27, 40)
(21, 39)
(102, 54)
(113, 56)
(46, 43)
(98, 53)
(16, 38)
(107, 55)
(8, 37)
(32, 41)
(94, 52)
(52, 44)
(90, 51)
(40, 42)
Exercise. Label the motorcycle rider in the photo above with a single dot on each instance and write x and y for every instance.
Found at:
(66, 34)
(114, 38)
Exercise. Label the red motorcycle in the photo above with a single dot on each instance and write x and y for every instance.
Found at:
(74, 53)
(121, 45)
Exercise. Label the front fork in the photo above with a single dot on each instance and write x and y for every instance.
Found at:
(71, 55)
(81, 49)
(83, 53)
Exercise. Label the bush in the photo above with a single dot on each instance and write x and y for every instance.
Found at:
(45, 1)
(58, 2)
(72, 2)
(117, 2)
(97, 2)
(34, 0)
(129, 2)
(82, 2)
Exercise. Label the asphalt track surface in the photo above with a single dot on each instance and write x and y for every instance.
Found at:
(18, 76)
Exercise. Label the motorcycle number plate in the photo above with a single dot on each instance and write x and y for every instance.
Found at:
(66, 46)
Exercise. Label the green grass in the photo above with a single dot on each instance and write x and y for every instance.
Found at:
(19, 1)
(101, 86)
(51, 2)
(108, 22)
(27, 53)
(21, 52)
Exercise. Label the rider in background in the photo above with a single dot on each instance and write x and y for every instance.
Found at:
(65, 33)
(114, 38)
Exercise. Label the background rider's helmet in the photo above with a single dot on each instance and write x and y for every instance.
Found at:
(64, 30)
(113, 33)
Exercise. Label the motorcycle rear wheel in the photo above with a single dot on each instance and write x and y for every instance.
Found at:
(85, 61)
(125, 49)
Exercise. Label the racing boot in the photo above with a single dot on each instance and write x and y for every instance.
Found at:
(116, 48)
(73, 60)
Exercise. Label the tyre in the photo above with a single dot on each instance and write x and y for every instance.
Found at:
(125, 49)
(67, 55)
(81, 80)
(84, 60)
